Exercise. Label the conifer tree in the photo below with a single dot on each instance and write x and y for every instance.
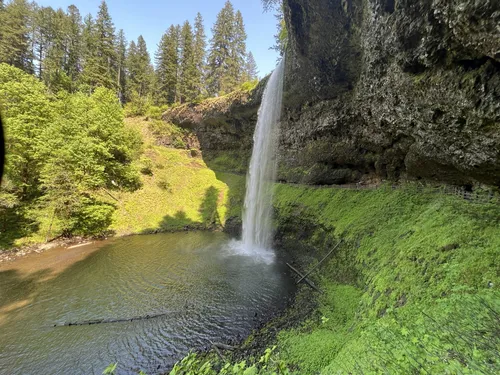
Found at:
(161, 70)
(41, 31)
(89, 54)
(199, 55)
(121, 78)
(139, 68)
(73, 61)
(167, 66)
(238, 50)
(188, 74)
(219, 59)
(251, 71)
(53, 74)
(15, 44)
(105, 48)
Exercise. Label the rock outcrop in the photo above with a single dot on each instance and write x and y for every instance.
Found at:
(392, 89)
(224, 125)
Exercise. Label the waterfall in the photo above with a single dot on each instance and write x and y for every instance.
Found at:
(257, 216)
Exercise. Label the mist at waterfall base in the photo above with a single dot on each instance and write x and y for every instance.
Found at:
(257, 216)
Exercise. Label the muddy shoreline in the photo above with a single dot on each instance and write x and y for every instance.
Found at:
(17, 253)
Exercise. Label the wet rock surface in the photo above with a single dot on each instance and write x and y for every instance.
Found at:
(392, 89)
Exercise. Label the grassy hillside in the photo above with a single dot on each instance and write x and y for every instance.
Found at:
(178, 192)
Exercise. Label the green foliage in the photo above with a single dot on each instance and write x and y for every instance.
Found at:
(110, 370)
(249, 85)
(267, 365)
(188, 71)
(61, 150)
(91, 218)
(413, 289)
(167, 66)
(71, 54)
(27, 112)
(137, 105)
(15, 39)
(140, 71)
(146, 166)
(227, 56)
(199, 56)
(154, 112)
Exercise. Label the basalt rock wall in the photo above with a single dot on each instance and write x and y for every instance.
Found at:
(391, 89)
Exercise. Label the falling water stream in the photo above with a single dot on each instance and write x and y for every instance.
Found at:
(257, 226)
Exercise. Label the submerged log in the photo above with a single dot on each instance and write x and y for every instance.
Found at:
(309, 282)
(109, 321)
(320, 262)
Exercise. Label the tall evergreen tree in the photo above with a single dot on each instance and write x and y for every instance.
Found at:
(74, 46)
(219, 64)
(199, 55)
(238, 50)
(139, 68)
(188, 70)
(251, 71)
(161, 71)
(89, 54)
(167, 66)
(15, 44)
(121, 53)
(53, 74)
(106, 54)
(41, 31)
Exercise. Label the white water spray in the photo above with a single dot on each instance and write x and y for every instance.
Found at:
(257, 216)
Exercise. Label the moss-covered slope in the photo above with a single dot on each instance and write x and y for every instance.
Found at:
(413, 289)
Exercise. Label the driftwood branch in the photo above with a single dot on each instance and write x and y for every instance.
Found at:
(224, 346)
(319, 263)
(109, 321)
(309, 282)
(216, 348)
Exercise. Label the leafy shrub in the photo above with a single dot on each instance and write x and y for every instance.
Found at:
(164, 184)
(146, 166)
(249, 85)
(154, 112)
(267, 365)
(92, 218)
(137, 106)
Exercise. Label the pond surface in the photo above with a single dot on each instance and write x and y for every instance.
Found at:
(206, 291)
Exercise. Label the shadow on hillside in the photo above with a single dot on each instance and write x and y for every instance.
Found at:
(208, 211)
(15, 224)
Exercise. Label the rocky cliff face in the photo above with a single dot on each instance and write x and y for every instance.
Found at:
(224, 125)
(382, 89)
(392, 88)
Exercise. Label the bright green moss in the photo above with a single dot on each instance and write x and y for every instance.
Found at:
(424, 272)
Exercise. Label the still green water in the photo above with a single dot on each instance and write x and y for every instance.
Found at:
(206, 290)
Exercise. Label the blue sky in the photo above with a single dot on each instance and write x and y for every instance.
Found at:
(152, 17)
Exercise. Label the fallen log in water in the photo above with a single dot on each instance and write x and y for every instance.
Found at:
(320, 262)
(109, 321)
(309, 282)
